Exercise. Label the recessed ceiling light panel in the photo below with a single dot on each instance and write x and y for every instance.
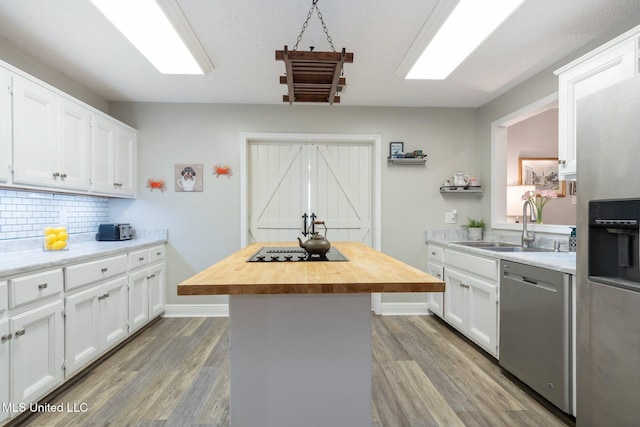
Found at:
(160, 32)
(469, 24)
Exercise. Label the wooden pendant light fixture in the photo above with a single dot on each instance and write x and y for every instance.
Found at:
(313, 76)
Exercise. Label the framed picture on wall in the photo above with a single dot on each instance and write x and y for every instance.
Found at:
(396, 148)
(188, 177)
(541, 172)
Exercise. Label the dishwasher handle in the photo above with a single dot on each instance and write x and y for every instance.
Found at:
(528, 280)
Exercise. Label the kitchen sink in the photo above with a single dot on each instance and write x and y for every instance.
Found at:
(501, 247)
(487, 245)
(514, 249)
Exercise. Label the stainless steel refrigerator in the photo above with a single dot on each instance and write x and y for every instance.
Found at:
(608, 268)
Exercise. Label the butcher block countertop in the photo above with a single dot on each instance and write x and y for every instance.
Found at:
(367, 270)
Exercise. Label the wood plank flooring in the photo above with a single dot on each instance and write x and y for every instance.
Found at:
(176, 373)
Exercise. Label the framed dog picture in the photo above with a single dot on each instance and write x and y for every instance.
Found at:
(188, 177)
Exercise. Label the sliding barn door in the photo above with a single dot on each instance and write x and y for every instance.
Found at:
(331, 179)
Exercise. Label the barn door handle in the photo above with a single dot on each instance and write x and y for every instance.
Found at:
(304, 224)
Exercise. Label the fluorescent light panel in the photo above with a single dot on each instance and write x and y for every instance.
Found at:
(147, 26)
(468, 25)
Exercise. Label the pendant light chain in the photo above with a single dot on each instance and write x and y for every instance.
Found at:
(306, 23)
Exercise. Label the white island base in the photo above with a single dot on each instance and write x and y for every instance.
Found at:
(300, 360)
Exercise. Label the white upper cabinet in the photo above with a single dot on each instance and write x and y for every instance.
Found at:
(5, 125)
(113, 162)
(609, 64)
(51, 145)
(125, 161)
(49, 140)
(35, 133)
(74, 148)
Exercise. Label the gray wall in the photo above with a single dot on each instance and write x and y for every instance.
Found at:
(205, 227)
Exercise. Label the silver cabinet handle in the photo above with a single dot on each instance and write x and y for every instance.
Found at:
(158, 253)
(63, 175)
(5, 338)
(562, 162)
(56, 175)
(141, 259)
(19, 333)
(42, 286)
(104, 269)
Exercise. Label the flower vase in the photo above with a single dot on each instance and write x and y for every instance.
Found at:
(539, 215)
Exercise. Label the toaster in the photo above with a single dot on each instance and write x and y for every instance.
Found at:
(114, 232)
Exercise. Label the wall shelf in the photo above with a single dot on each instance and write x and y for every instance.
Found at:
(461, 189)
(418, 160)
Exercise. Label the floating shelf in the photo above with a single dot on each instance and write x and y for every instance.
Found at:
(461, 189)
(417, 160)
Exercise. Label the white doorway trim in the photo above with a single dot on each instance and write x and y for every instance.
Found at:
(374, 140)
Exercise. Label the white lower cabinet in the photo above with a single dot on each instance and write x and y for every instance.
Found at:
(146, 286)
(156, 290)
(96, 320)
(138, 299)
(435, 267)
(471, 297)
(435, 300)
(37, 350)
(5, 340)
(55, 322)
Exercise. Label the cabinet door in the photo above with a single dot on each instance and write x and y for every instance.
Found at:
(74, 149)
(455, 296)
(482, 320)
(35, 134)
(103, 149)
(138, 299)
(156, 290)
(435, 300)
(125, 162)
(5, 339)
(37, 352)
(114, 311)
(603, 70)
(5, 125)
(83, 341)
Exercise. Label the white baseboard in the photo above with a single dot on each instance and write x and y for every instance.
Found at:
(402, 308)
(196, 310)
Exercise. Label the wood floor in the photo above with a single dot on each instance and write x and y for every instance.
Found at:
(176, 373)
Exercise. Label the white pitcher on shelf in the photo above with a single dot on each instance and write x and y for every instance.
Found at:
(460, 179)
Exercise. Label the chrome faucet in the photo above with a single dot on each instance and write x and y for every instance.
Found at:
(528, 237)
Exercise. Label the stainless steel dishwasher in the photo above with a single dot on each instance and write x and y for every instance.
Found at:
(535, 329)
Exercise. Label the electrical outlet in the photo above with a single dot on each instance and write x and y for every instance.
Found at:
(451, 217)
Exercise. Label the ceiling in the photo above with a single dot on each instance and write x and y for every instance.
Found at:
(241, 37)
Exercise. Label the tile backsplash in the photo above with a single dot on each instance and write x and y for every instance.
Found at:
(25, 213)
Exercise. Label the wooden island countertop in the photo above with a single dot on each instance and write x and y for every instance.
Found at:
(367, 271)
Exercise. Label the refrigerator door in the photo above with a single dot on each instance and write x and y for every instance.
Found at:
(608, 318)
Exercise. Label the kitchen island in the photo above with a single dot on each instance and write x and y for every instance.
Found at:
(301, 332)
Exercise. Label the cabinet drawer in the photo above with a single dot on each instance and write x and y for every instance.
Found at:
(156, 253)
(4, 297)
(435, 253)
(89, 272)
(30, 288)
(138, 258)
(480, 266)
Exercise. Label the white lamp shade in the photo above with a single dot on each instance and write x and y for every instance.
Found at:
(514, 198)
